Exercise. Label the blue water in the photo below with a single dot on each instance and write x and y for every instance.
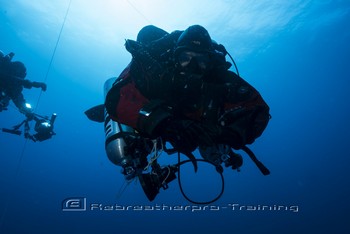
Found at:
(296, 54)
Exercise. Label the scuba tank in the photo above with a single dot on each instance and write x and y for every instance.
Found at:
(123, 146)
(115, 143)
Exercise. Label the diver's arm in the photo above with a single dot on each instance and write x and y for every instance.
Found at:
(22, 105)
(39, 85)
(30, 84)
(18, 99)
(166, 44)
(150, 75)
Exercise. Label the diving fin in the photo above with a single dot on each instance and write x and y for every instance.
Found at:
(193, 160)
(96, 113)
(12, 131)
(259, 164)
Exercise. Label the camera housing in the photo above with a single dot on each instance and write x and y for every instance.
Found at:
(44, 128)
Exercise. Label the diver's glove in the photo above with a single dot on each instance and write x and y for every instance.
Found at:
(39, 85)
(141, 55)
(9, 57)
(135, 48)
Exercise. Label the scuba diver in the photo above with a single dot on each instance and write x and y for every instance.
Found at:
(12, 82)
(178, 89)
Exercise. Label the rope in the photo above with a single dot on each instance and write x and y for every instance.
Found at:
(54, 51)
(156, 154)
(139, 12)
